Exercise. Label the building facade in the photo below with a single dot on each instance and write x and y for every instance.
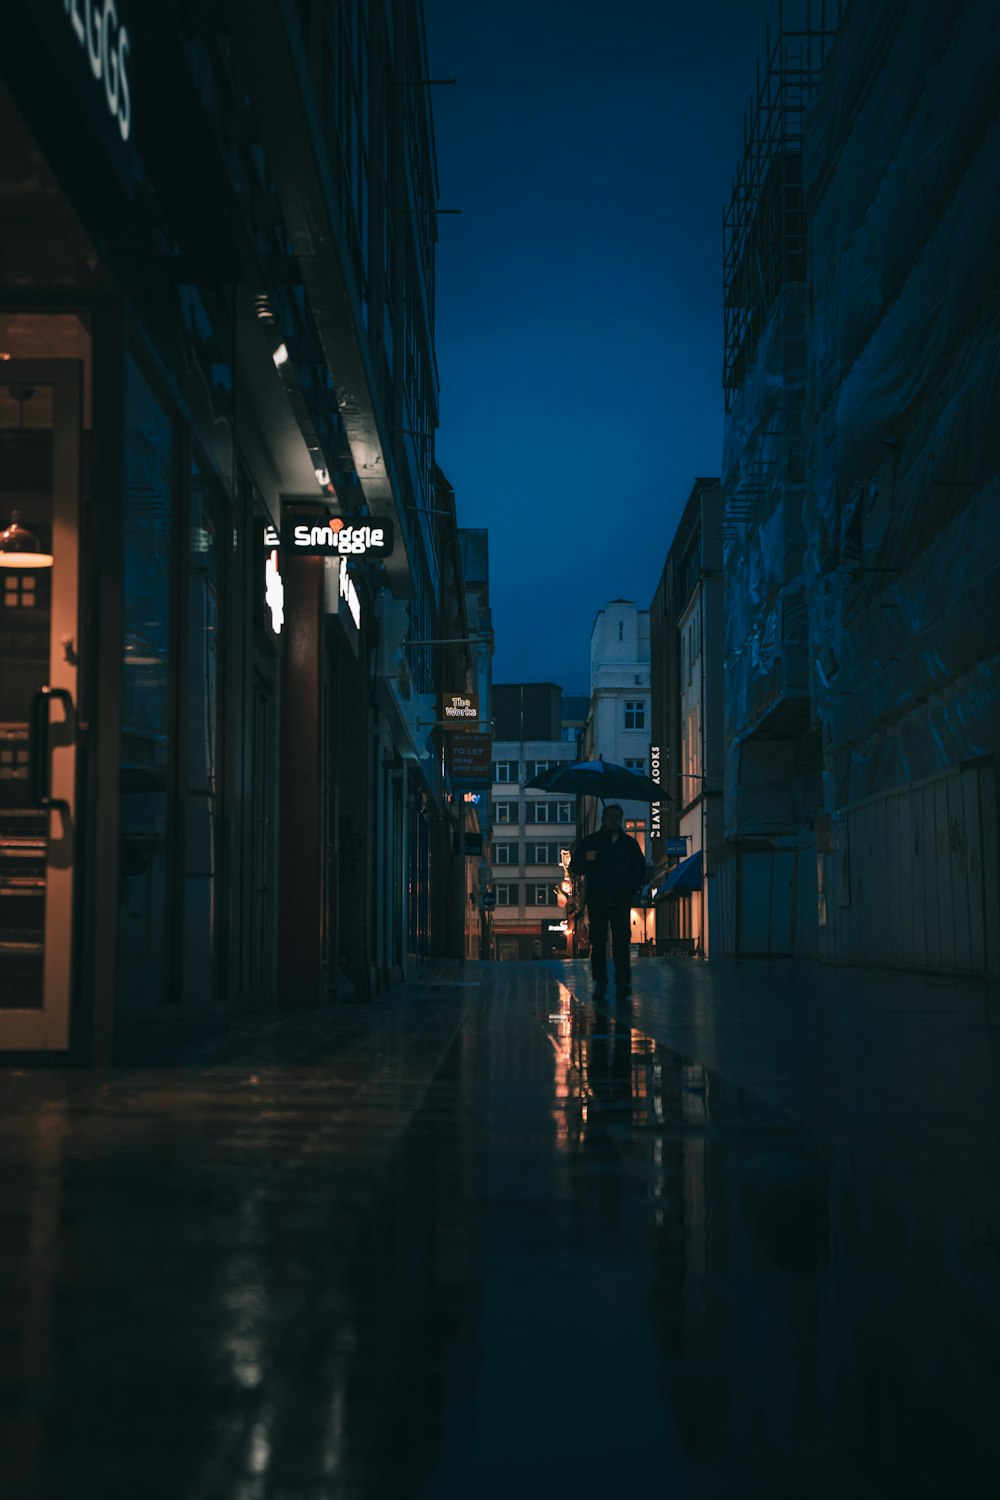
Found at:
(767, 867)
(619, 724)
(860, 474)
(901, 517)
(618, 719)
(222, 780)
(532, 832)
(687, 749)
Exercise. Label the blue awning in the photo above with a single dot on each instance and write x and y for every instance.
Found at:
(683, 878)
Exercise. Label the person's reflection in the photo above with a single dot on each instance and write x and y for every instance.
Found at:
(605, 1057)
(610, 1061)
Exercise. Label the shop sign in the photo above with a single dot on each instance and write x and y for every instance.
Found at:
(655, 825)
(107, 45)
(473, 842)
(360, 539)
(458, 709)
(274, 592)
(341, 598)
(468, 760)
(555, 926)
(675, 848)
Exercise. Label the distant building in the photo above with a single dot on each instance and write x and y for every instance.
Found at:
(532, 831)
(618, 718)
(475, 569)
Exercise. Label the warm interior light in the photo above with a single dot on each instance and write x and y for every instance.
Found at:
(19, 547)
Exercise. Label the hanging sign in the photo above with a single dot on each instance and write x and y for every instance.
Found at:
(459, 709)
(274, 592)
(360, 537)
(656, 824)
(468, 760)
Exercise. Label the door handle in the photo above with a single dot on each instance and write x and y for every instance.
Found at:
(38, 746)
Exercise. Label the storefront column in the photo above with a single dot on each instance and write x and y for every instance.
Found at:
(301, 968)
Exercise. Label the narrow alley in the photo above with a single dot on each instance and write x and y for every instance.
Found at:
(738, 1236)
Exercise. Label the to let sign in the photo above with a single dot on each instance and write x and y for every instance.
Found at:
(459, 709)
(468, 760)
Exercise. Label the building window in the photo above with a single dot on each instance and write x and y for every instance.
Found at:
(543, 854)
(550, 812)
(539, 894)
(635, 713)
(504, 770)
(535, 767)
(636, 763)
(505, 812)
(637, 828)
(504, 854)
(506, 893)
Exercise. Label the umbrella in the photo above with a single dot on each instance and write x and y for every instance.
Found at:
(597, 778)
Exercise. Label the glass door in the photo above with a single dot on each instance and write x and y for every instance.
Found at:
(40, 419)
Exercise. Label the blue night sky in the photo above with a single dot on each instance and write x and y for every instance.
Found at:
(579, 306)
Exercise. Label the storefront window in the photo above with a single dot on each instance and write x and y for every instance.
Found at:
(146, 749)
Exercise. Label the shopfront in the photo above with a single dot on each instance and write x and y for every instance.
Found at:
(140, 650)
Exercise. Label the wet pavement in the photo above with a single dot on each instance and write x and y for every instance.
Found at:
(738, 1236)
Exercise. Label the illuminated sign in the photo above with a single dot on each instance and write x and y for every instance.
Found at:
(107, 46)
(556, 927)
(459, 708)
(349, 594)
(338, 538)
(654, 773)
(274, 592)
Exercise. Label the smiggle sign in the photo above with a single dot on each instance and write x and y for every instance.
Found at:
(369, 537)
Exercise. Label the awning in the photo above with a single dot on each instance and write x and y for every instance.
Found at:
(683, 878)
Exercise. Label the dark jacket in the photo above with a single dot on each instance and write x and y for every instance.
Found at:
(614, 877)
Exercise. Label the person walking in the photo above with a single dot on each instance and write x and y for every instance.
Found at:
(614, 868)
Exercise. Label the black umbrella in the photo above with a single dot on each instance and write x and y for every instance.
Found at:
(597, 778)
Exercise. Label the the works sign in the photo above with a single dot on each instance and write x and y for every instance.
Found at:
(458, 709)
(360, 538)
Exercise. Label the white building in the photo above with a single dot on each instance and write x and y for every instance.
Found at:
(618, 725)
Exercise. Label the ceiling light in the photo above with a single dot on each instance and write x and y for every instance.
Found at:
(19, 547)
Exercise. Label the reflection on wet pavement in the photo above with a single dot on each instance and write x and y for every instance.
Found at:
(485, 1240)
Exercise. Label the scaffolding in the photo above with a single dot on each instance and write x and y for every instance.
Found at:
(764, 227)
